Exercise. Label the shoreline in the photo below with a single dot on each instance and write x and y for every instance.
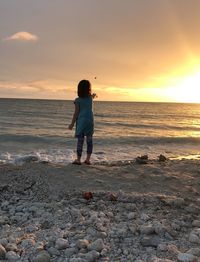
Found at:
(128, 176)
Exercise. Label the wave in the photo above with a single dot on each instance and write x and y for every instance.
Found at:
(55, 155)
(100, 139)
(32, 139)
(145, 140)
(151, 126)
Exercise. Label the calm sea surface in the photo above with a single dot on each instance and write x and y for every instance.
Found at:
(122, 130)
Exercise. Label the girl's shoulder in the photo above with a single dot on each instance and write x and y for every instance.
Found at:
(82, 99)
(76, 100)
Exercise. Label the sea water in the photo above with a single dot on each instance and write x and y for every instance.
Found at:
(123, 130)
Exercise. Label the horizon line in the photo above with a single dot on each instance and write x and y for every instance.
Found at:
(117, 101)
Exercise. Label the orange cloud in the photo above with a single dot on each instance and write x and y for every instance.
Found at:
(22, 36)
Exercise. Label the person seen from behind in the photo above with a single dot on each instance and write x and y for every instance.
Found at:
(84, 120)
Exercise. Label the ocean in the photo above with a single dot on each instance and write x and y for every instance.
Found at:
(123, 130)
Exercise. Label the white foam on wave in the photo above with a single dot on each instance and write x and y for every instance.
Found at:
(52, 156)
(101, 154)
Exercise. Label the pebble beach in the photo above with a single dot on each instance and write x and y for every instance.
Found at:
(143, 212)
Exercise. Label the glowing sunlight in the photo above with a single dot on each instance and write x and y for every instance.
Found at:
(187, 90)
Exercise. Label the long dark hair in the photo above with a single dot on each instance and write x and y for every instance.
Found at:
(84, 88)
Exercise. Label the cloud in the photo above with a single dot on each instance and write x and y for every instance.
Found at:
(22, 36)
(40, 88)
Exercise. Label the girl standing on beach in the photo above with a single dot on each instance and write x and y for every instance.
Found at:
(83, 117)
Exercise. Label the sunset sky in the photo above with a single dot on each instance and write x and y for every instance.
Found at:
(131, 50)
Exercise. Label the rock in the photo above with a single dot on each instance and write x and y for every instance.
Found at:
(70, 251)
(104, 252)
(43, 256)
(46, 224)
(150, 241)
(131, 215)
(11, 247)
(145, 157)
(78, 259)
(53, 251)
(192, 209)
(159, 228)
(185, 257)
(144, 217)
(3, 242)
(156, 259)
(196, 223)
(178, 202)
(133, 229)
(194, 238)
(97, 245)
(162, 158)
(194, 251)
(82, 243)
(112, 197)
(61, 243)
(31, 228)
(87, 195)
(92, 256)
(162, 247)
(142, 160)
(29, 242)
(39, 246)
(3, 220)
(12, 256)
(147, 230)
(2, 252)
(27, 159)
(172, 249)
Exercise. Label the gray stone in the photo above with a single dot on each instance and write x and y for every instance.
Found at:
(193, 238)
(131, 215)
(150, 241)
(185, 257)
(92, 256)
(159, 228)
(39, 246)
(12, 256)
(156, 259)
(149, 229)
(162, 247)
(179, 202)
(61, 243)
(2, 252)
(53, 251)
(196, 223)
(97, 245)
(3, 220)
(29, 242)
(43, 256)
(4, 242)
(11, 247)
(70, 251)
(31, 228)
(194, 251)
(82, 243)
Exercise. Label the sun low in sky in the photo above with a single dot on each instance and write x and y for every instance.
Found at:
(131, 50)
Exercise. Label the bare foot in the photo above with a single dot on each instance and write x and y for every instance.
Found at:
(76, 162)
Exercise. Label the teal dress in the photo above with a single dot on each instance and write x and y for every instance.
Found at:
(85, 120)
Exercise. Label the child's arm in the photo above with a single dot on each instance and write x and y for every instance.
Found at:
(75, 116)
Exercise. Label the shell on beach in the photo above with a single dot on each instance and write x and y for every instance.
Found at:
(88, 195)
(113, 197)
